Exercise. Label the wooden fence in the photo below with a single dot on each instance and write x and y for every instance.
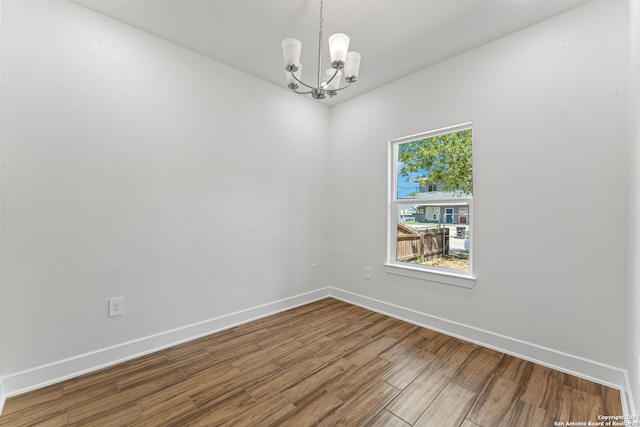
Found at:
(429, 242)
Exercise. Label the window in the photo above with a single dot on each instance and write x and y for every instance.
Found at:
(431, 206)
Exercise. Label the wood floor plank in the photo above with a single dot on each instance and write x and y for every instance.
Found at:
(451, 366)
(348, 329)
(419, 395)
(401, 331)
(219, 359)
(221, 390)
(409, 345)
(528, 415)
(108, 375)
(233, 342)
(583, 385)
(218, 412)
(449, 409)
(289, 327)
(45, 410)
(286, 378)
(26, 417)
(612, 402)
(543, 389)
(313, 335)
(436, 342)
(316, 381)
(428, 333)
(44, 395)
(310, 310)
(310, 412)
(369, 352)
(174, 410)
(447, 351)
(326, 363)
(578, 405)
(257, 325)
(216, 376)
(329, 318)
(475, 373)
(340, 348)
(264, 355)
(514, 369)
(387, 419)
(117, 401)
(59, 420)
(125, 381)
(168, 406)
(116, 418)
(300, 354)
(497, 404)
(362, 407)
(379, 327)
(404, 372)
(262, 413)
(198, 344)
(354, 381)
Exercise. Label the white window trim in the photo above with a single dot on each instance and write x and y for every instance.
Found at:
(444, 276)
(433, 274)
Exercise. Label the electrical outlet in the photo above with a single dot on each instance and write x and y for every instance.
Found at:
(116, 306)
(367, 273)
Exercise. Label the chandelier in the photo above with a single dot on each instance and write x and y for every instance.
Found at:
(342, 62)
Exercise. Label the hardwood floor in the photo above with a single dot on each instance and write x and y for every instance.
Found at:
(327, 363)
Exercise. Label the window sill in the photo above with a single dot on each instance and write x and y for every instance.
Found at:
(445, 277)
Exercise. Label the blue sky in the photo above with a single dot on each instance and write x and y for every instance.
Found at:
(406, 185)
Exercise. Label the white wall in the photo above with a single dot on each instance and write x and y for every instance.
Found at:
(2, 393)
(134, 168)
(634, 211)
(549, 106)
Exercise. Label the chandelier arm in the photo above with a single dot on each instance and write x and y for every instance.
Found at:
(332, 77)
(301, 82)
(341, 88)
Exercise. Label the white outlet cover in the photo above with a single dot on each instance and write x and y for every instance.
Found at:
(116, 306)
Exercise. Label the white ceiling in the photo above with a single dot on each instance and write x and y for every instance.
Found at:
(395, 37)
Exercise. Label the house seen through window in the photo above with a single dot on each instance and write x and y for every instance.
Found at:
(431, 202)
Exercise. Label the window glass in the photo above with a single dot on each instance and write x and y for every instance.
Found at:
(437, 167)
(434, 235)
(432, 196)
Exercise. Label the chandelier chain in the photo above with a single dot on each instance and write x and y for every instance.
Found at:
(321, 17)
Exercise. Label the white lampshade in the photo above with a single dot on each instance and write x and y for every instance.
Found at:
(338, 47)
(291, 49)
(352, 65)
(333, 84)
(291, 82)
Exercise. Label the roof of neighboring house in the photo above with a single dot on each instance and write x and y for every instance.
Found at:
(434, 195)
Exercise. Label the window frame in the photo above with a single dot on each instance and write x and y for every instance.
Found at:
(430, 273)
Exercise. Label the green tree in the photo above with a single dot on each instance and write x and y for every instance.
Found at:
(444, 159)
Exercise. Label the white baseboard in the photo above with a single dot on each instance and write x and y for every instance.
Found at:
(58, 371)
(564, 362)
(52, 373)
